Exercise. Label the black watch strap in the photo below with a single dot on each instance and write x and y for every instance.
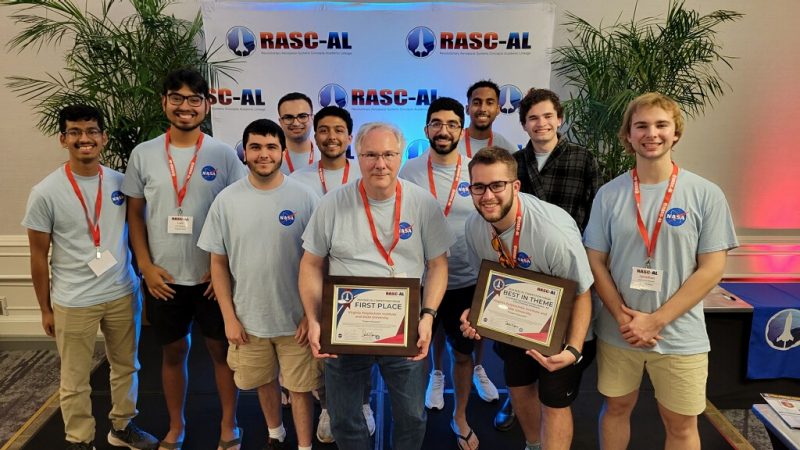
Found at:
(430, 311)
(578, 356)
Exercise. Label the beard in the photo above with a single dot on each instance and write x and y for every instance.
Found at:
(265, 173)
(442, 151)
(505, 208)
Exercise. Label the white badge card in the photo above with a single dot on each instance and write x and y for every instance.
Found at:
(101, 265)
(179, 224)
(646, 279)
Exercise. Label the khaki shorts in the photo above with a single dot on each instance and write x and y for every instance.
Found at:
(257, 362)
(679, 380)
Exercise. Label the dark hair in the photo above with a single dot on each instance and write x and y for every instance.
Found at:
(263, 127)
(535, 96)
(334, 111)
(74, 113)
(190, 78)
(483, 84)
(494, 155)
(295, 96)
(446, 104)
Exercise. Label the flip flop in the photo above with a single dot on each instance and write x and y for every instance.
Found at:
(236, 441)
(459, 438)
(170, 445)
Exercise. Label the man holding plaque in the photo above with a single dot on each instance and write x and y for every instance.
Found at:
(657, 241)
(379, 228)
(520, 231)
(252, 232)
(443, 171)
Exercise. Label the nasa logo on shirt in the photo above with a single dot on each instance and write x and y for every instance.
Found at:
(463, 189)
(675, 217)
(209, 173)
(523, 260)
(286, 217)
(118, 198)
(405, 230)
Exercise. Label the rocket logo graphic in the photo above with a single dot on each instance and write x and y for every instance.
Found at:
(783, 330)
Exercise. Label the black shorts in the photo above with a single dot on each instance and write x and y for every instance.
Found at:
(556, 389)
(172, 319)
(454, 302)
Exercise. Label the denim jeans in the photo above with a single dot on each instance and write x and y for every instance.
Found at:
(345, 378)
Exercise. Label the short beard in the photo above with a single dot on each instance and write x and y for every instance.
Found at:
(504, 210)
(445, 151)
(481, 127)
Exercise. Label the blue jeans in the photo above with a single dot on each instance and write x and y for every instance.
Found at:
(345, 378)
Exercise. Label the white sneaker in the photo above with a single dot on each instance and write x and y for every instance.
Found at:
(324, 434)
(484, 386)
(434, 394)
(369, 417)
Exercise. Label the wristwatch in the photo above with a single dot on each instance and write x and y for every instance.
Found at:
(430, 311)
(578, 356)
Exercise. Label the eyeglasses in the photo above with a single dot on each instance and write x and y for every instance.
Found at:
(502, 258)
(76, 133)
(437, 125)
(176, 99)
(373, 157)
(287, 119)
(495, 186)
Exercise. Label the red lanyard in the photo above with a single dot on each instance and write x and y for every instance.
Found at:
(469, 145)
(501, 248)
(321, 172)
(94, 227)
(453, 188)
(189, 170)
(650, 244)
(287, 153)
(387, 255)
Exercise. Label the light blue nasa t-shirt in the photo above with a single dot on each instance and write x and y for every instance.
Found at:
(459, 272)
(260, 233)
(147, 176)
(309, 176)
(697, 221)
(498, 140)
(54, 208)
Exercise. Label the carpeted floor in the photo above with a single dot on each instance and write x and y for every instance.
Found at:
(27, 379)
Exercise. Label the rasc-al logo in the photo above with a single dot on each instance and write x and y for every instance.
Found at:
(783, 329)
(241, 41)
(510, 96)
(420, 42)
(416, 148)
(333, 94)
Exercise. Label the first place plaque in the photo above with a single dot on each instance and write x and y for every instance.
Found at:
(370, 316)
(526, 309)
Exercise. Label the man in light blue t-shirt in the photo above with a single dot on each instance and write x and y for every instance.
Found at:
(170, 182)
(295, 113)
(79, 211)
(253, 233)
(657, 240)
(483, 107)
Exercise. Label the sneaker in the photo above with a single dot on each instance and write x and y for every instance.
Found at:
(274, 444)
(80, 446)
(132, 437)
(324, 434)
(369, 417)
(434, 395)
(484, 386)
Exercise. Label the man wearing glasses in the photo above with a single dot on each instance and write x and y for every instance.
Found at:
(378, 226)
(171, 182)
(79, 210)
(519, 230)
(295, 112)
(443, 172)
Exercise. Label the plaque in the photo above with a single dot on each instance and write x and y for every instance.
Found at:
(370, 316)
(526, 309)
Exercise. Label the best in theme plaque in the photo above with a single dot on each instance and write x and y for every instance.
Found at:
(522, 308)
(370, 316)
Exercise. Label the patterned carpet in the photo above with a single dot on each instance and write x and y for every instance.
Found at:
(27, 379)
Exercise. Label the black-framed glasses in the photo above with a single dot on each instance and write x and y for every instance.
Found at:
(495, 186)
(437, 125)
(176, 99)
(287, 119)
(75, 133)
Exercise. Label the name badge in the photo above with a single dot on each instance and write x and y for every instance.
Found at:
(646, 279)
(101, 265)
(179, 224)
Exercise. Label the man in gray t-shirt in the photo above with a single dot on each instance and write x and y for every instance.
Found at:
(170, 182)
(378, 226)
(657, 241)
(483, 107)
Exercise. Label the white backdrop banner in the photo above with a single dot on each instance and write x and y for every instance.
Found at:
(380, 61)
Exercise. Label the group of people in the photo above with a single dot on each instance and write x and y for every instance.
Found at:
(241, 251)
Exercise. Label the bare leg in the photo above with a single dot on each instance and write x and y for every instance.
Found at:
(302, 413)
(527, 408)
(615, 421)
(269, 397)
(228, 392)
(556, 428)
(174, 378)
(682, 433)
(462, 381)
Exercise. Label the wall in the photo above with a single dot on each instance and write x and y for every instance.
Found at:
(745, 142)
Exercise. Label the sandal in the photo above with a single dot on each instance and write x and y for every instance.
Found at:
(224, 445)
(171, 445)
(465, 445)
